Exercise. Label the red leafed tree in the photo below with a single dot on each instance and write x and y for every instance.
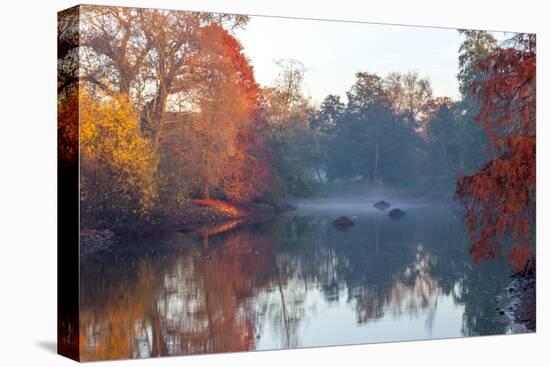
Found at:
(250, 176)
(500, 197)
(246, 173)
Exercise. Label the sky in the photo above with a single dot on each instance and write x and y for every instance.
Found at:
(333, 52)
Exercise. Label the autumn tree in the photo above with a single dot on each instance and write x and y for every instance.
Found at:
(118, 165)
(249, 175)
(408, 94)
(368, 88)
(500, 196)
(144, 52)
(194, 91)
(235, 159)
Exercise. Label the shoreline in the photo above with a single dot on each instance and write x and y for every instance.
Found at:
(524, 292)
(199, 220)
(517, 303)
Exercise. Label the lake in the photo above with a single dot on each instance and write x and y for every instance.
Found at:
(294, 281)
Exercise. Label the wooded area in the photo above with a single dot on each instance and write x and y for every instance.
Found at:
(170, 111)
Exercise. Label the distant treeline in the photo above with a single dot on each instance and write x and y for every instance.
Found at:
(390, 130)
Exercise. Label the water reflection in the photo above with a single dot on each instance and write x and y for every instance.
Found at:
(294, 281)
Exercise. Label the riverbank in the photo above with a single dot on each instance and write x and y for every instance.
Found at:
(201, 217)
(519, 303)
(209, 216)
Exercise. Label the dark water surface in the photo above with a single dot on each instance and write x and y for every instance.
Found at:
(294, 281)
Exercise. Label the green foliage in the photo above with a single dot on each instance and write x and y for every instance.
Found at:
(372, 143)
(296, 150)
(477, 46)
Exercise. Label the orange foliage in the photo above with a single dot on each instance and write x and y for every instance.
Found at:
(229, 48)
(247, 174)
(141, 321)
(221, 206)
(500, 197)
(250, 174)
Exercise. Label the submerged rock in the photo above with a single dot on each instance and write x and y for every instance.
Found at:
(396, 213)
(382, 205)
(343, 223)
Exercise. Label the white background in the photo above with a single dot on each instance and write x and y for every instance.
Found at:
(28, 182)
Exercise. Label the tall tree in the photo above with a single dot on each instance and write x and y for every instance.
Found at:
(441, 132)
(146, 54)
(227, 101)
(500, 196)
(477, 46)
(373, 144)
(368, 88)
(286, 98)
(408, 94)
(294, 143)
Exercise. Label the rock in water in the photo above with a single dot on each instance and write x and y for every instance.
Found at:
(382, 205)
(396, 213)
(343, 223)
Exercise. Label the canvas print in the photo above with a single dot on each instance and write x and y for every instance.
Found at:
(235, 183)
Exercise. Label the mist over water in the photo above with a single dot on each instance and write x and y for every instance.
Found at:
(347, 200)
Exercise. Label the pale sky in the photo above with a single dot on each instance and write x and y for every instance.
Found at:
(333, 52)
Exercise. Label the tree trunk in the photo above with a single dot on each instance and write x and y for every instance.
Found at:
(376, 150)
(446, 159)
(376, 162)
(151, 116)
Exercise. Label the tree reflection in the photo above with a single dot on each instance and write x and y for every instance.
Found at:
(221, 292)
(184, 304)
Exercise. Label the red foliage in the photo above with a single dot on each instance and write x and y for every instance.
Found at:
(221, 206)
(500, 197)
(229, 48)
(249, 172)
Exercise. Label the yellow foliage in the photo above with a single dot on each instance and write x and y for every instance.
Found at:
(118, 163)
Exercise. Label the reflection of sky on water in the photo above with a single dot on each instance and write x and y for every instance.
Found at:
(336, 324)
(333, 323)
(295, 281)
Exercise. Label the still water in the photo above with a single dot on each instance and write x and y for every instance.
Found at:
(293, 281)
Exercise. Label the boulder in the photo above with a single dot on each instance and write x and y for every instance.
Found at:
(382, 205)
(343, 223)
(396, 213)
